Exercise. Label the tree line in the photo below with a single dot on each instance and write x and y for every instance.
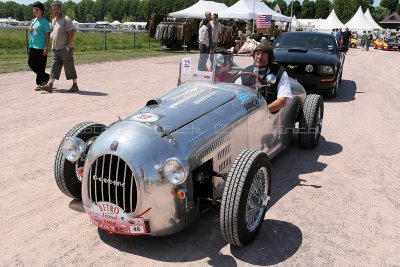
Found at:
(141, 10)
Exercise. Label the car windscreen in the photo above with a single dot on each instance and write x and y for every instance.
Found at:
(220, 68)
(306, 41)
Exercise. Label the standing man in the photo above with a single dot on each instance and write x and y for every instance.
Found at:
(207, 16)
(204, 48)
(216, 31)
(339, 36)
(369, 40)
(62, 34)
(363, 40)
(346, 37)
(39, 39)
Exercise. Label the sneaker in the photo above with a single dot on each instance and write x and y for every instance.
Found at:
(74, 88)
(39, 86)
(47, 87)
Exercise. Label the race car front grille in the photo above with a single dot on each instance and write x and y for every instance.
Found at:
(112, 180)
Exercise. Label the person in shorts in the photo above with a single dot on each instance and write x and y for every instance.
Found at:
(62, 35)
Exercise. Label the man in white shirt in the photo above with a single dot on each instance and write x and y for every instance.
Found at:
(279, 94)
(204, 48)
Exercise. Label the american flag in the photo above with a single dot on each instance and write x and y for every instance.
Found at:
(264, 21)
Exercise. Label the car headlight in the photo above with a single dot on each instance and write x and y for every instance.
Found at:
(325, 69)
(175, 171)
(72, 148)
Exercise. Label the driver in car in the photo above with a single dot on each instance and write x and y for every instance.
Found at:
(279, 94)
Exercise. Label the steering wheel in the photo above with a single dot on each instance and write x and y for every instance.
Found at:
(240, 74)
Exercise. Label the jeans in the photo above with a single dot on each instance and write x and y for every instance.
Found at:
(204, 53)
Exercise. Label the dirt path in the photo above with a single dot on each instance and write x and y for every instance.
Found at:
(334, 206)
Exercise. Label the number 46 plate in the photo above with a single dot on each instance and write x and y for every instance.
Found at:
(137, 226)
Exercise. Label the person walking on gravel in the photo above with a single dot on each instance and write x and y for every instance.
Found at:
(62, 34)
(39, 39)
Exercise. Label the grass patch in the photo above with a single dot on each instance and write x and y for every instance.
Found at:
(89, 48)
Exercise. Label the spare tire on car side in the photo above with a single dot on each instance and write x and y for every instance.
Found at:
(310, 123)
(66, 173)
(245, 197)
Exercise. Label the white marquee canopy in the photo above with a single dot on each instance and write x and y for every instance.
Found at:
(197, 10)
(331, 22)
(371, 20)
(359, 22)
(251, 9)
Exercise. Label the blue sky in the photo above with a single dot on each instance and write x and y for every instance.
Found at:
(26, 2)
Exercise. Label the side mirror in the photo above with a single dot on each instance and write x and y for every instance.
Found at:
(219, 60)
(270, 79)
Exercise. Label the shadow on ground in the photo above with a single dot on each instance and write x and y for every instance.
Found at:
(276, 242)
(346, 92)
(80, 92)
(301, 161)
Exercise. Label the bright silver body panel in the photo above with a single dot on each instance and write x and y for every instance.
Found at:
(200, 121)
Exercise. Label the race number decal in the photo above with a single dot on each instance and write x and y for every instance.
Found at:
(186, 65)
(145, 117)
(114, 219)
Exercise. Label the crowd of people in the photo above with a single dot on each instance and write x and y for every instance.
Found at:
(60, 33)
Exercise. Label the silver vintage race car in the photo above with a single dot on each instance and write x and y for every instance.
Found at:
(204, 142)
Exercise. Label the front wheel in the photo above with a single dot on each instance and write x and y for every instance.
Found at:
(310, 124)
(245, 197)
(353, 45)
(68, 175)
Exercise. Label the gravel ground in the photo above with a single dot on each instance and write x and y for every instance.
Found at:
(337, 205)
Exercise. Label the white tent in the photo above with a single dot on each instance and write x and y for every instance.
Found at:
(331, 22)
(359, 22)
(115, 23)
(251, 9)
(371, 20)
(197, 10)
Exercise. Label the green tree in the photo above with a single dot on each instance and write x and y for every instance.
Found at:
(398, 8)
(296, 9)
(322, 8)
(71, 14)
(391, 5)
(308, 10)
(108, 18)
(379, 13)
(84, 9)
(345, 9)
(89, 18)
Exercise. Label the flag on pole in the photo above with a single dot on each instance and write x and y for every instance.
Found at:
(264, 21)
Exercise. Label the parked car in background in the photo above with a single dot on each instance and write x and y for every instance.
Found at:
(314, 59)
(354, 43)
(387, 44)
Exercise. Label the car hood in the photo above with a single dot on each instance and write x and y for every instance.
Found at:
(183, 105)
(301, 55)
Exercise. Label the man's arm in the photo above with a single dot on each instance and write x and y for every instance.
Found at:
(70, 38)
(284, 96)
(277, 104)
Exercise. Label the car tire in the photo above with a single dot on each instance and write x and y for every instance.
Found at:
(352, 45)
(67, 178)
(310, 124)
(333, 93)
(248, 186)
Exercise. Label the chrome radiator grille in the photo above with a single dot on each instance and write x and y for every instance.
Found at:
(112, 180)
